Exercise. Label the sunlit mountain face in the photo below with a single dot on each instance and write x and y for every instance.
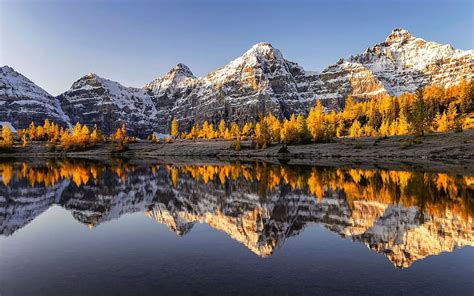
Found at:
(404, 215)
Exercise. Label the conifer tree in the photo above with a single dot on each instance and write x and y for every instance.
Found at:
(384, 128)
(247, 129)
(351, 111)
(221, 128)
(355, 130)
(467, 101)
(316, 121)
(24, 141)
(274, 127)
(302, 129)
(96, 136)
(289, 132)
(442, 122)
(403, 125)
(452, 115)
(262, 134)
(174, 128)
(7, 137)
(419, 114)
(32, 131)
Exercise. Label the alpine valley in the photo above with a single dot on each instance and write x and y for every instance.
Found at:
(260, 81)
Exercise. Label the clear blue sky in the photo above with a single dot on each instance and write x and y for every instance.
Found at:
(56, 42)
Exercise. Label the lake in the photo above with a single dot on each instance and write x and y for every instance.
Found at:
(82, 227)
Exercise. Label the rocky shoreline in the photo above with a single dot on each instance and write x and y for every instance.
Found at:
(440, 152)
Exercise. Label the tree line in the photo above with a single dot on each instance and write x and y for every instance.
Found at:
(430, 109)
(80, 137)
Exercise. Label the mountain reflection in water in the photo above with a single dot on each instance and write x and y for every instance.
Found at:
(403, 215)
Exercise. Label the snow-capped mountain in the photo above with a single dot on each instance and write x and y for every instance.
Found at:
(107, 104)
(175, 80)
(166, 90)
(262, 80)
(22, 101)
(403, 63)
(259, 81)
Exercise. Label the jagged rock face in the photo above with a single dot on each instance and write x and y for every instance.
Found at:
(404, 63)
(351, 78)
(262, 80)
(22, 101)
(97, 101)
(179, 82)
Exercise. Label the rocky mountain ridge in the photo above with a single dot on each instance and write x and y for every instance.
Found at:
(107, 104)
(259, 81)
(22, 101)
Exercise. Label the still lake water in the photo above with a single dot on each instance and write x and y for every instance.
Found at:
(89, 228)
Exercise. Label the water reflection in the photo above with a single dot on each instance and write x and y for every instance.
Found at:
(403, 215)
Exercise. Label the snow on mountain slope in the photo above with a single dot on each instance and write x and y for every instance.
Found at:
(259, 81)
(22, 101)
(177, 78)
(262, 80)
(404, 63)
(97, 101)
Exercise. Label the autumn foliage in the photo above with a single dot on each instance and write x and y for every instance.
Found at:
(80, 137)
(6, 138)
(429, 110)
(433, 109)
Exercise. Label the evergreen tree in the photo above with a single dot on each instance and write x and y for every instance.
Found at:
(262, 134)
(419, 115)
(302, 129)
(467, 101)
(452, 115)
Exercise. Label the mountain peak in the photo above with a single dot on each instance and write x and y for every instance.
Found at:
(180, 69)
(179, 76)
(22, 101)
(7, 69)
(91, 75)
(265, 49)
(262, 45)
(399, 35)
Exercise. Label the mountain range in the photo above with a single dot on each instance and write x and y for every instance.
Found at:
(260, 81)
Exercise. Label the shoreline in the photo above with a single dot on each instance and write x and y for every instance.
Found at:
(436, 152)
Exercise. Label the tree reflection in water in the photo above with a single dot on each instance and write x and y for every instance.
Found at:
(404, 215)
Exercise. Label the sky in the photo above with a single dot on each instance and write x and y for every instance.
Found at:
(55, 42)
